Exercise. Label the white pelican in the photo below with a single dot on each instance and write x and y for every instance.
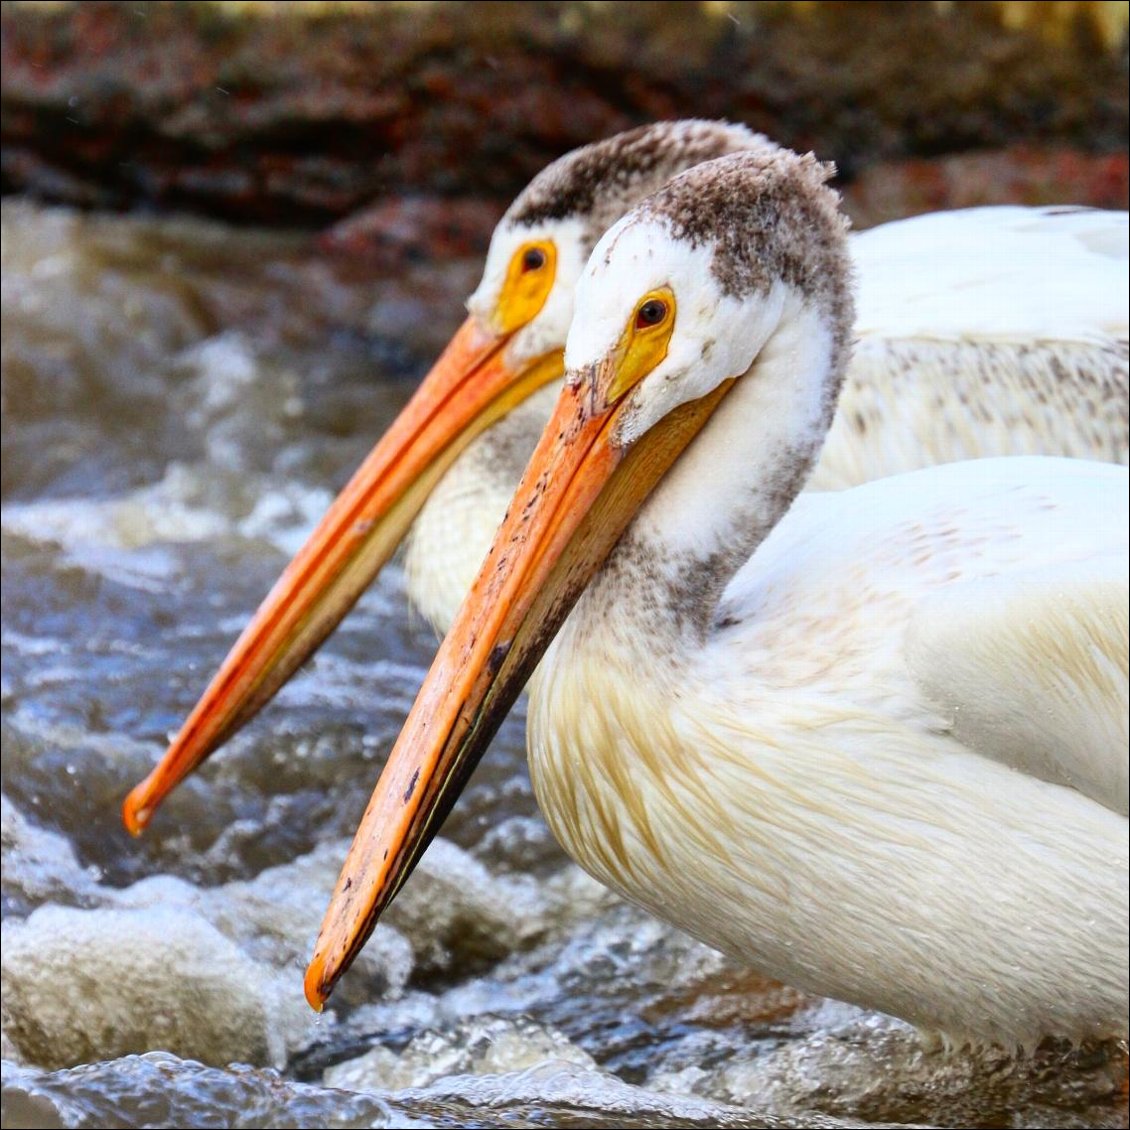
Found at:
(1013, 341)
(871, 742)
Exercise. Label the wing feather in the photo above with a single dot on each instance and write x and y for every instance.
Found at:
(1031, 670)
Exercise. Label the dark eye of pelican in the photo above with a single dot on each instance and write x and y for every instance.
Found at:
(651, 313)
(533, 259)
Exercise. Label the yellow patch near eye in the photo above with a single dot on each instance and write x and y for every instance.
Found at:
(643, 345)
(529, 279)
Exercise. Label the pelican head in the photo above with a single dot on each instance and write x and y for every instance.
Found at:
(510, 345)
(734, 276)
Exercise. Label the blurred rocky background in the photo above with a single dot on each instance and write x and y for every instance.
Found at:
(402, 129)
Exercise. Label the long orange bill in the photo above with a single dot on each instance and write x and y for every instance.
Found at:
(469, 388)
(577, 496)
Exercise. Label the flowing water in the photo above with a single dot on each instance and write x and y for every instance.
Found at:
(180, 401)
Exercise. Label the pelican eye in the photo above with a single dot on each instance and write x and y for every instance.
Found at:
(529, 279)
(651, 313)
(644, 339)
(533, 259)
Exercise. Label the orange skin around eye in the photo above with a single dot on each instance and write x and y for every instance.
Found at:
(643, 344)
(527, 286)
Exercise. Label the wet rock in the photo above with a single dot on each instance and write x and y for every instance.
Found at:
(721, 994)
(1018, 174)
(416, 227)
(456, 913)
(853, 1064)
(276, 916)
(211, 973)
(521, 843)
(40, 866)
(162, 1090)
(591, 1094)
(86, 984)
(300, 119)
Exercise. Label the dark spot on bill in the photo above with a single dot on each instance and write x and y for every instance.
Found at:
(411, 786)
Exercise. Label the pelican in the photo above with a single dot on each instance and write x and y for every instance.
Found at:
(871, 742)
(1015, 341)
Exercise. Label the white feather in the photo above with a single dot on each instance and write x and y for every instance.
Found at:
(888, 762)
(1000, 274)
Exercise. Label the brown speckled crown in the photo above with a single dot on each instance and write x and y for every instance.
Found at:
(768, 214)
(600, 182)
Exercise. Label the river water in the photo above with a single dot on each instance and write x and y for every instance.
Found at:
(180, 401)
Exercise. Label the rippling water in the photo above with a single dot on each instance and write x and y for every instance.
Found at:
(180, 400)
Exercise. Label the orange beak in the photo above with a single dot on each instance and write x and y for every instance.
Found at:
(578, 494)
(470, 387)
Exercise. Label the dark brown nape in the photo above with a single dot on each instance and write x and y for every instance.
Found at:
(600, 182)
(769, 215)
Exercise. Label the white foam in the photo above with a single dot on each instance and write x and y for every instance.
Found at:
(227, 368)
(39, 864)
(123, 537)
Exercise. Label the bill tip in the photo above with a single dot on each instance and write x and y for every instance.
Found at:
(136, 814)
(314, 985)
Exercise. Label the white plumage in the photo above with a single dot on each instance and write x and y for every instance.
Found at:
(874, 744)
(1000, 274)
(993, 331)
(989, 331)
(856, 784)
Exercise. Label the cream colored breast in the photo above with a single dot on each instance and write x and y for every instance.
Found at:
(788, 794)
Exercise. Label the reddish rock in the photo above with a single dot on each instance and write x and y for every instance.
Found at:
(301, 120)
(416, 227)
(1020, 175)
